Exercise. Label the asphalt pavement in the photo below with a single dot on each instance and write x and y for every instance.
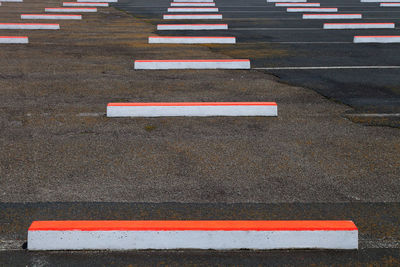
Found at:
(62, 159)
(378, 226)
(301, 52)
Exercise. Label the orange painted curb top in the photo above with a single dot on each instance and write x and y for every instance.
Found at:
(192, 225)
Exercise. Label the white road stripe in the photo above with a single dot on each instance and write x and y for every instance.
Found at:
(283, 29)
(328, 68)
(273, 29)
(300, 43)
(375, 115)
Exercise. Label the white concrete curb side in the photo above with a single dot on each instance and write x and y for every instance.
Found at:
(196, 109)
(220, 235)
(29, 26)
(71, 10)
(194, 16)
(45, 16)
(191, 40)
(96, 1)
(82, 4)
(376, 39)
(297, 4)
(193, 1)
(14, 40)
(380, 1)
(192, 9)
(192, 4)
(286, 1)
(315, 9)
(162, 27)
(344, 26)
(332, 16)
(192, 64)
(390, 4)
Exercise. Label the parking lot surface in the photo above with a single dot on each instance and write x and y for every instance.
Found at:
(321, 158)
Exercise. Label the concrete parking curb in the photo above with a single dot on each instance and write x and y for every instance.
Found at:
(47, 16)
(14, 40)
(193, 1)
(297, 4)
(192, 27)
(339, 26)
(192, 4)
(192, 64)
(96, 1)
(29, 26)
(191, 40)
(315, 9)
(192, 109)
(380, 1)
(332, 16)
(377, 39)
(390, 4)
(286, 1)
(98, 4)
(221, 235)
(71, 10)
(192, 9)
(194, 16)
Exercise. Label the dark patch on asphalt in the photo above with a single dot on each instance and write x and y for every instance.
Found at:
(367, 90)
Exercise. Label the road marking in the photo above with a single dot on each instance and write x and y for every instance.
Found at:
(286, 29)
(274, 29)
(10, 245)
(375, 115)
(91, 114)
(301, 43)
(267, 7)
(328, 68)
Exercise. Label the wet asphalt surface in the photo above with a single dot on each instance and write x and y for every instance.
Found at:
(261, 27)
